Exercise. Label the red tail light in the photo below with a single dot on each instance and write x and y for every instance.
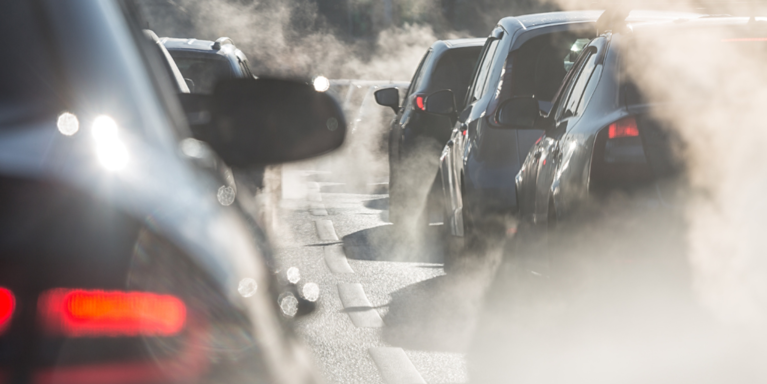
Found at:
(419, 103)
(7, 306)
(77, 313)
(626, 127)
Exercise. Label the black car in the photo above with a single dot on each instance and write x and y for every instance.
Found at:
(603, 136)
(525, 56)
(118, 262)
(203, 63)
(416, 136)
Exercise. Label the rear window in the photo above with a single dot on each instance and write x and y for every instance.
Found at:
(204, 70)
(454, 71)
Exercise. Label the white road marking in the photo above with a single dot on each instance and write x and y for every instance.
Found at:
(358, 307)
(317, 209)
(336, 259)
(394, 366)
(325, 230)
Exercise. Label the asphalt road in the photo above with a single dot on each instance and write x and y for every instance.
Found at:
(387, 312)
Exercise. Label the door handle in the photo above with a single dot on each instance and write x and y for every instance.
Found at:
(450, 143)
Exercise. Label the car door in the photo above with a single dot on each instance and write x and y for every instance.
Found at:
(555, 148)
(457, 146)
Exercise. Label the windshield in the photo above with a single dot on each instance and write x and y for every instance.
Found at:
(204, 70)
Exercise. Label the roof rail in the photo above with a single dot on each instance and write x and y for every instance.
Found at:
(222, 41)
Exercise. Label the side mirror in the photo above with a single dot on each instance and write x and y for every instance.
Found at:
(441, 103)
(265, 121)
(388, 97)
(518, 113)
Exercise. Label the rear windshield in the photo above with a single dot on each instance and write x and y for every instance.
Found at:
(203, 70)
(454, 71)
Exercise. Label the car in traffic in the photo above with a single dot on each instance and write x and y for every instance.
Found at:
(603, 135)
(203, 62)
(416, 137)
(118, 264)
(524, 57)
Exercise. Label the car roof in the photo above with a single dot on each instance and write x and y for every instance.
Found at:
(567, 17)
(462, 43)
(187, 44)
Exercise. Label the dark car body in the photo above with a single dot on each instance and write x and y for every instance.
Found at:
(416, 136)
(602, 136)
(524, 56)
(118, 262)
(205, 62)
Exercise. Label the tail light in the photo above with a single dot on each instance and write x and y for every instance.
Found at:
(94, 313)
(626, 127)
(419, 103)
(7, 306)
(619, 159)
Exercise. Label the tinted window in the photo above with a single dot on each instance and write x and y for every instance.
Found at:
(204, 70)
(579, 85)
(539, 66)
(418, 76)
(454, 71)
(480, 82)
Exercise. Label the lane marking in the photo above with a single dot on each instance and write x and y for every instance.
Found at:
(336, 260)
(317, 209)
(358, 307)
(395, 366)
(325, 230)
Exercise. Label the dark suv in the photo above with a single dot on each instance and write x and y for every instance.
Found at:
(416, 136)
(118, 263)
(204, 62)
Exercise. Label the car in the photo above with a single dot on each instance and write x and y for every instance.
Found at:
(204, 62)
(525, 56)
(602, 138)
(118, 263)
(416, 137)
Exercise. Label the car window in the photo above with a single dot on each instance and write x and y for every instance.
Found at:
(560, 98)
(591, 84)
(204, 70)
(418, 76)
(565, 107)
(571, 105)
(454, 71)
(480, 81)
(539, 66)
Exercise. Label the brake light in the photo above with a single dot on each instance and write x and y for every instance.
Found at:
(419, 103)
(7, 306)
(77, 313)
(626, 127)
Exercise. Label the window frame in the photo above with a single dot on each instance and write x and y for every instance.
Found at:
(487, 57)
